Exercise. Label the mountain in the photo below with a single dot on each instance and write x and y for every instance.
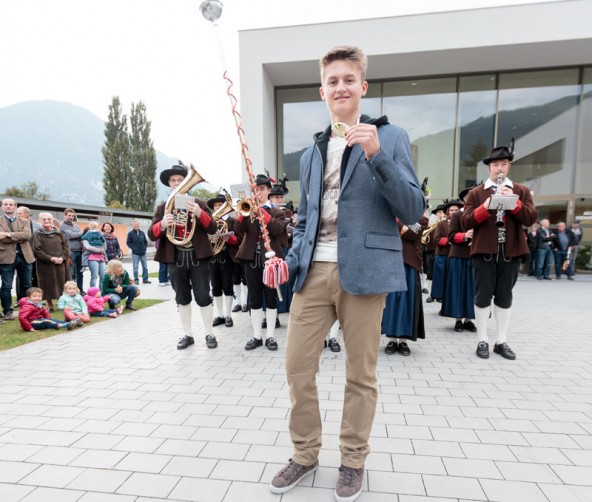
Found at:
(58, 145)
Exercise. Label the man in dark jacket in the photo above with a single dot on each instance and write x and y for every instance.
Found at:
(497, 250)
(137, 242)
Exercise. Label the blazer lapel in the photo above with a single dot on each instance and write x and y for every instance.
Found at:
(354, 158)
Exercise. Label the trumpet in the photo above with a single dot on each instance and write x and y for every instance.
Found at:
(245, 207)
(181, 216)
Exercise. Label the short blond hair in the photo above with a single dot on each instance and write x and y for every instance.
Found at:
(349, 53)
(93, 225)
(70, 283)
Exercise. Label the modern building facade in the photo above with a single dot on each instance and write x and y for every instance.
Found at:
(459, 82)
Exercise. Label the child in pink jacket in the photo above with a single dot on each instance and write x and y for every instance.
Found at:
(96, 304)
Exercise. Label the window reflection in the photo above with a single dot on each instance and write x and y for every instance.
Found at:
(584, 166)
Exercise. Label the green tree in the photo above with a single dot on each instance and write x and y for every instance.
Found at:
(142, 194)
(202, 193)
(116, 163)
(28, 190)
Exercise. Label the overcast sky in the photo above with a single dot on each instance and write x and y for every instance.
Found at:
(163, 53)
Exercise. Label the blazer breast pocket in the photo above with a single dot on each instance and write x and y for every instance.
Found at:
(383, 241)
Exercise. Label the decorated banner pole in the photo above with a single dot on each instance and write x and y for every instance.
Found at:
(276, 270)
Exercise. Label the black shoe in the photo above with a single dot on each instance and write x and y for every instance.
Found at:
(277, 322)
(211, 342)
(237, 308)
(470, 326)
(264, 324)
(539, 278)
(334, 345)
(504, 350)
(130, 307)
(271, 344)
(439, 300)
(425, 291)
(245, 308)
(404, 349)
(228, 322)
(253, 343)
(547, 278)
(429, 299)
(217, 321)
(391, 348)
(458, 326)
(147, 282)
(483, 350)
(185, 342)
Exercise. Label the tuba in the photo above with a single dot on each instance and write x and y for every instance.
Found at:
(223, 210)
(181, 216)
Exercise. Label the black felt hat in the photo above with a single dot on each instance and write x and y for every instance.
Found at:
(500, 153)
(261, 179)
(219, 198)
(464, 192)
(167, 173)
(278, 189)
(453, 202)
(439, 207)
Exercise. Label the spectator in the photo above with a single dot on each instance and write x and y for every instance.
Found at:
(113, 249)
(545, 245)
(33, 316)
(531, 238)
(73, 234)
(137, 242)
(15, 254)
(95, 302)
(577, 233)
(564, 243)
(51, 250)
(94, 246)
(24, 213)
(116, 284)
(72, 303)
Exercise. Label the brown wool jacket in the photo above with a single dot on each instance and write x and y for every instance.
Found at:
(458, 249)
(483, 222)
(201, 243)
(20, 234)
(249, 232)
(412, 245)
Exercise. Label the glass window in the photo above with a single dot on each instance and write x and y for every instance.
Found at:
(539, 110)
(584, 166)
(426, 109)
(476, 126)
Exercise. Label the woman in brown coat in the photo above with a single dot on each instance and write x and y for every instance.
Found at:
(52, 253)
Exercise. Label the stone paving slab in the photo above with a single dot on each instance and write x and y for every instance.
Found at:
(114, 412)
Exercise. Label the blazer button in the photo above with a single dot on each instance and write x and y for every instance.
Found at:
(310, 243)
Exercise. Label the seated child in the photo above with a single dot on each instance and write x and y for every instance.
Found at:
(72, 304)
(96, 304)
(33, 315)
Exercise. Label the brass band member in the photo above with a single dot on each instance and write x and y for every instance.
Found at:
(497, 252)
(252, 253)
(430, 247)
(222, 267)
(189, 266)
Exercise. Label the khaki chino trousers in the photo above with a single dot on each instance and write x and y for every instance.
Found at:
(313, 310)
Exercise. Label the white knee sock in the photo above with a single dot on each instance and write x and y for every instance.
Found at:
(270, 315)
(227, 306)
(256, 320)
(236, 295)
(334, 331)
(428, 285)
(502, 320)
(481, 317)
(207, 315)
(218, 304)
(185, 315)
(244, 294)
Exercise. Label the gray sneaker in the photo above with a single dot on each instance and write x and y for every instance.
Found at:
(290, 476)
(349, 484)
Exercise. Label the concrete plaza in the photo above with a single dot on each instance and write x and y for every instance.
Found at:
(115, 413)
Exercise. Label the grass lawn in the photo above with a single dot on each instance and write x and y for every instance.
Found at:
(12, 335)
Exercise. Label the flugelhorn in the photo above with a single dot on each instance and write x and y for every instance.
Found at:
(181, 215)
(223, 210)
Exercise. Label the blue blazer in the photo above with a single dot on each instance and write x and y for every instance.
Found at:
(373, 194)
